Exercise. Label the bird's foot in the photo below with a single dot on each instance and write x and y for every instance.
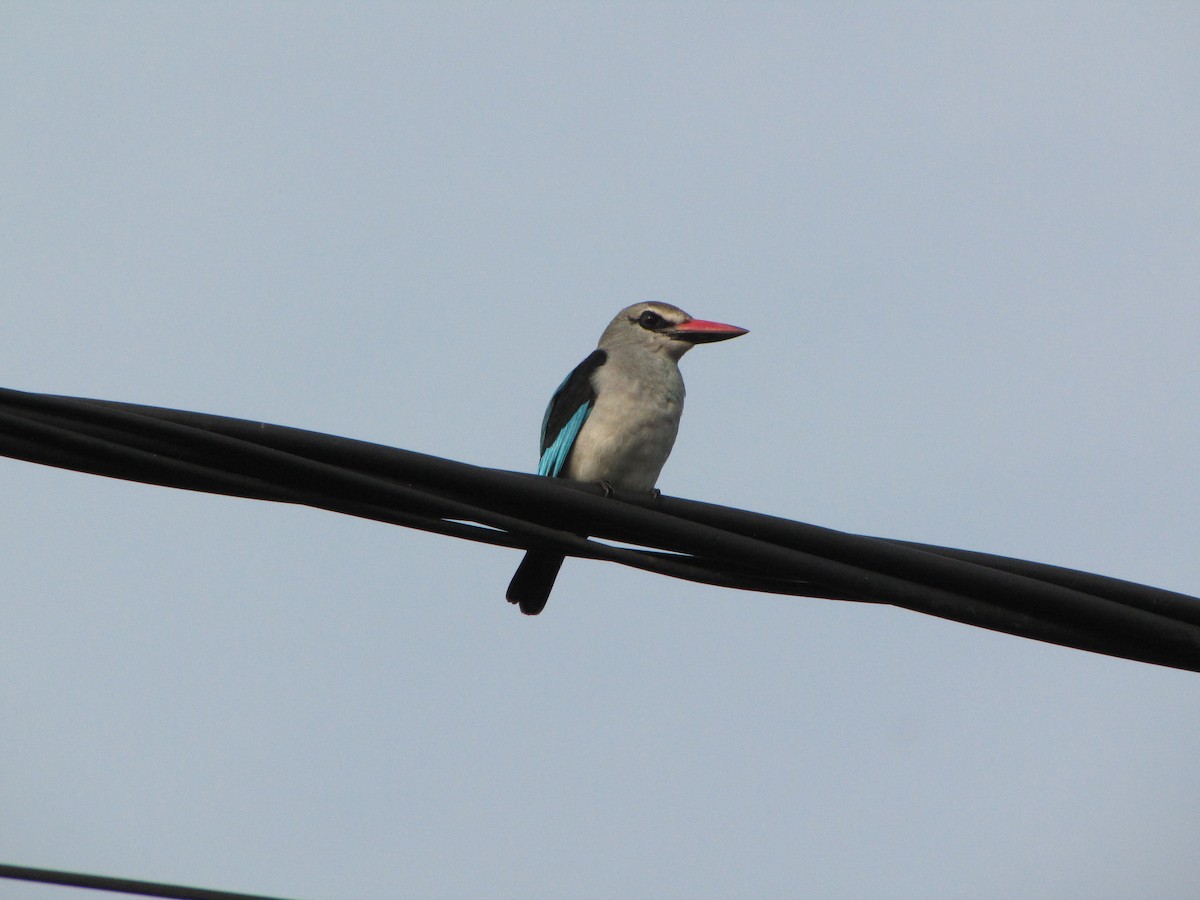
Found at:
(607, 487)
(655, 496)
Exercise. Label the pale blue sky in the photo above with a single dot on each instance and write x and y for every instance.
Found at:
(966, 241)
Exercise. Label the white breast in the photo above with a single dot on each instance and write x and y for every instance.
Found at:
(631, 429)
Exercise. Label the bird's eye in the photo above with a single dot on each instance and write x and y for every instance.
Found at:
(650, 319)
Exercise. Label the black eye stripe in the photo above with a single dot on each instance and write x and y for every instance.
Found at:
(650, 320)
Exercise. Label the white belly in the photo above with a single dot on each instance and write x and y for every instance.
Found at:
(628, 436)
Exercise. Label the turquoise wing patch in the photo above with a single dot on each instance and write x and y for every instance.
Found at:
(555, 456)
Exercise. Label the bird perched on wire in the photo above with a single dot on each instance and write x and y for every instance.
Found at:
(615, 417)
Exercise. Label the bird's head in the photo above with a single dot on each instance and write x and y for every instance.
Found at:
(663, 328)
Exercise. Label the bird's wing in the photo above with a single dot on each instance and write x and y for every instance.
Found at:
(568, 410)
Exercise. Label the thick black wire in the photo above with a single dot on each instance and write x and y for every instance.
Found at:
(684, 539)
(121, 885)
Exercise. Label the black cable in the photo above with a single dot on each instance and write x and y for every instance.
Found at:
(682, 538)
(121, 885)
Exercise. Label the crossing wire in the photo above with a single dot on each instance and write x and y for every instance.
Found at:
(680, 538)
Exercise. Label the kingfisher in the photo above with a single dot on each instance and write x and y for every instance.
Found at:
(613, 420)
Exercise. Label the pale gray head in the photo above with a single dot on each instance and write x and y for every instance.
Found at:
(662, 328)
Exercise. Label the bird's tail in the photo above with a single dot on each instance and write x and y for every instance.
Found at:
(533, 581)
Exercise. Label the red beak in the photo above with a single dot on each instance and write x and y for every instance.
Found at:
(699, 331)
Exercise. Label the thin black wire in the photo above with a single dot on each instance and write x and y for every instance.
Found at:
(682, 538)
(121, 885)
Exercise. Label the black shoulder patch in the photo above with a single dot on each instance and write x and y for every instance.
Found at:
(575, 391)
